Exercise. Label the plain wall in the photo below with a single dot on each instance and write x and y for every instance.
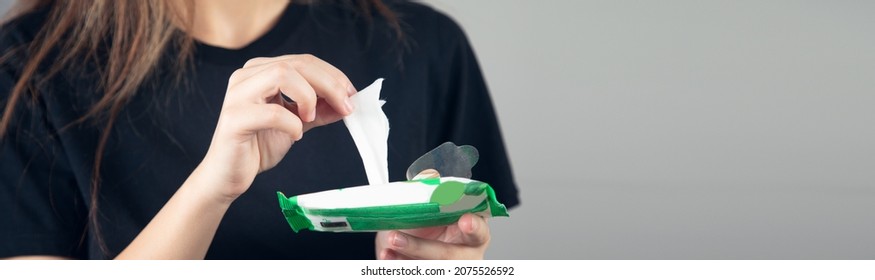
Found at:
(682, 129)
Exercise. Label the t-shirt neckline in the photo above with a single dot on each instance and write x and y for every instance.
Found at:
(262, 46)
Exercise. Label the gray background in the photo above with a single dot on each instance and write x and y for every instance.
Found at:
(682, 129)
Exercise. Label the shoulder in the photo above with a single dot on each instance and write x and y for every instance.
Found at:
(431, 34)
(421, 13)
(421, 20)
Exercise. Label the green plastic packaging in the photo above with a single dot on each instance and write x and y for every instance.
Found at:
(397, 205)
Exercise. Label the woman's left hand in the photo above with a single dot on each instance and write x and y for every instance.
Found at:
(468, 238)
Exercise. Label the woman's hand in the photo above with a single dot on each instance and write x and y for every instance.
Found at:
(258, 125)
(256, 128)
(466, 239)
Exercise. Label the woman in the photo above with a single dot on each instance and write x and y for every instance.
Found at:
(162, 129)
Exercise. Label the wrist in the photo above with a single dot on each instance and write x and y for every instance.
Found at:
(207, 188)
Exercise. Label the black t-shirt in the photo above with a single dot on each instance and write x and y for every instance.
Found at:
(434, 90)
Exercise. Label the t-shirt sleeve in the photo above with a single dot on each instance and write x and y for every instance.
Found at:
(464, 112)
(41, 211)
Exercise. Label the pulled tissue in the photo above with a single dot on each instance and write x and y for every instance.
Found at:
(369, 128)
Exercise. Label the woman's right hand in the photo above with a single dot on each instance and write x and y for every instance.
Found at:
(257, 126)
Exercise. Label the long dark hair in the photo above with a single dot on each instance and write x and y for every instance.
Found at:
(139, 32)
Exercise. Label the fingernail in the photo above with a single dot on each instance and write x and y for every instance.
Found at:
(351, 89)
(313, 115)
(349, 106)
(474, 225)
(399, 240)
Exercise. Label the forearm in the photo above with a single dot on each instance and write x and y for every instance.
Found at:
(184, 227)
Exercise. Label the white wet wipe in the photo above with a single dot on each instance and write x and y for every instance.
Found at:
(369, 128)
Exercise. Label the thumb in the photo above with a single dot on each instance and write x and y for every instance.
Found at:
(475, 230)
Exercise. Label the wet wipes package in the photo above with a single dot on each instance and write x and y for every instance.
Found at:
(438, 191)
(397, 205)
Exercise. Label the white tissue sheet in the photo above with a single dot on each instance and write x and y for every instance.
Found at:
(369, 128)
(397, 193)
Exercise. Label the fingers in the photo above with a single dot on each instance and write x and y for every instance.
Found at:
(388, 254)
(467, 239)
(427, 174)
(259, 117)
(337, 74)
(279, 78)
(327, 67)
(410, 246)
(325, 115)
(259, 61)
(475, 231)
(328, 87)
(302, 78)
